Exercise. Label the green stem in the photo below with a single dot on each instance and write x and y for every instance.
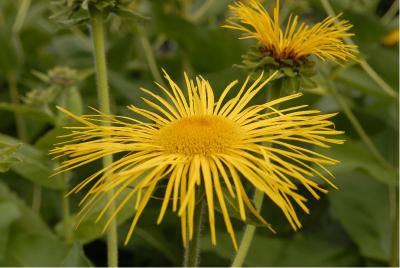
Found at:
(148, 52)
(356, 124)
(97, 21)
(201, 11)
(363, 63)
(68, 233)
(21, 15)
(273, 93)
(248, 234)
(192, 249)
(15, 97)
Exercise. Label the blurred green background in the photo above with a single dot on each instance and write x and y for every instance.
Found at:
(353, 226)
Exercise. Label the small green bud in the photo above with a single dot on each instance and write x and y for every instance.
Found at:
(39, 97)
(62, 77)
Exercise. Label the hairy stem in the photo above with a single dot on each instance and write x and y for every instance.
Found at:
(363, 63)
(192, 249)
(97, 25)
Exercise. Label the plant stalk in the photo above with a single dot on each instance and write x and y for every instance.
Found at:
(68, 233)
(21, 15)
(97, 25)
(248, 234)
(148, 52)
(192, 249)
(273, 93)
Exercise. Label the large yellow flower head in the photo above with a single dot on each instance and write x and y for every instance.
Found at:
(198, 146)
(297, 40)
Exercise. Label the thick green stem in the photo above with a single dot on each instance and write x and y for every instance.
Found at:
(248, 234)
(273, 93)
(97, 24)
(363, 63)
(192, 249)
(68, 233)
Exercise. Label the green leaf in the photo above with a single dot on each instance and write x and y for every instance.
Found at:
(158, 240)
(27, 110)
(219, 47)
(362, 207)
(76, 257)
(8, 156)
(353, 156)
(9, 214)
(301, 249)
(34, 166)
(48, 140)
(30, 241)
(88, 229)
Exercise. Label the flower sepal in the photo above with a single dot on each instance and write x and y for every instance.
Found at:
(296, 74)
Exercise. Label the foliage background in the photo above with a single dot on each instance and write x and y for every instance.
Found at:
(352, 226)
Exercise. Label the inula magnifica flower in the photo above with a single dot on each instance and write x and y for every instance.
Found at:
(297, 40)
(196, 145)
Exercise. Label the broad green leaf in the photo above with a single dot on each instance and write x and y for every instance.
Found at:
(361, 205)
(9, 214)
(8, 156)
(48, 140)
(34, 113)
(88, 229)
(301, 249)
(354, 156)
(219, 47)
(34, 166)
(159, 241)
(76, 257)
(30, 241)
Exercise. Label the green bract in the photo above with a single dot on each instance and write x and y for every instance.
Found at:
(295, 73)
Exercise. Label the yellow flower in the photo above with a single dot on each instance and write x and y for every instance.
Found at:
(298, 40)
(193, 143)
